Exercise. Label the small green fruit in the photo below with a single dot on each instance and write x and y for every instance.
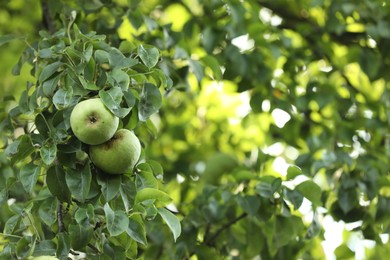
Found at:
(92, 123)
(119, 154)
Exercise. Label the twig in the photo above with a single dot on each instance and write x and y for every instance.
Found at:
(221, 229)
(47, 18)
(60, 218)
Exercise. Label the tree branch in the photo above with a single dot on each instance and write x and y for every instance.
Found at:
(209, 241)
(60, 218)
(47, 18)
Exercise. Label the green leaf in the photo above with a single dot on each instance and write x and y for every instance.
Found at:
(80, 235)
(212, 63)
(118, 78)
(110, 186)
(117, 221)
(9, 37)
(63, 247)
(118, 60)
(292, 172)
(85, 214)
(50, 85)
(63, 98)
(160, 198)
(148, 55)
(197, 69)
(112, 99)
(347, 198)
(268, 185)
(49, 70)
(27, 242)
(127, 191)
(136, 229)
(20, 148)
(295, 197)
(344, 252)
(79, 182)
(29, 174)
(48, 153)
(101, 56)
(249, 204)
(55, 180)
(48, 211)
(11, 224)
(45, 247)
(145, 179)
(172, 221)
(311, 191)
(150, 101)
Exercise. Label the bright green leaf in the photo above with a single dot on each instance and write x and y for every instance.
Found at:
(311, 191)
(159, 197)
(148, 55)
(150, 101)
(172, 221)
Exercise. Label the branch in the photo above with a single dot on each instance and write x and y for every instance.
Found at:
(221, 229)
(60, 218)
(47, 18)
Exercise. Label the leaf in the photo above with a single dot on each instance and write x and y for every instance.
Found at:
(112, 99)
(48, 153)
(80, 236)
(20, 148)
(292, 172)
(29, 174)
(136, 229)
(127, 191)
(311, 191)
(145, 179)
(49, 70)
(110, 186)
(197, 69)
(118, 60)
(148, 55)
(85, 215)
(150, 101)
(50, 85)
(213, 64)
(45, 247)
(62, 98)
(118, 78)
(295, 197)
(159, 197)
(172, 221)
(55, 180)
(117, 221)
(9, 37)
(11, 224)
(79, 182)
(249, 204)
(347, 198)
(267, 186)
(101, 56)
(48, 211)
(63, 247)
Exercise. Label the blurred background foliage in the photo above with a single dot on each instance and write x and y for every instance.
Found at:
(258, 86)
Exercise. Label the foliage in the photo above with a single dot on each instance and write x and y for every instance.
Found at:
(275, 118)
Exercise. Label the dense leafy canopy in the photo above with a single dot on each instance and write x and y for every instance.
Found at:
(261, 122)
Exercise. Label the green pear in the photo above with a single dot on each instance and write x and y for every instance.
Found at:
(119, 154)
(92, 123)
